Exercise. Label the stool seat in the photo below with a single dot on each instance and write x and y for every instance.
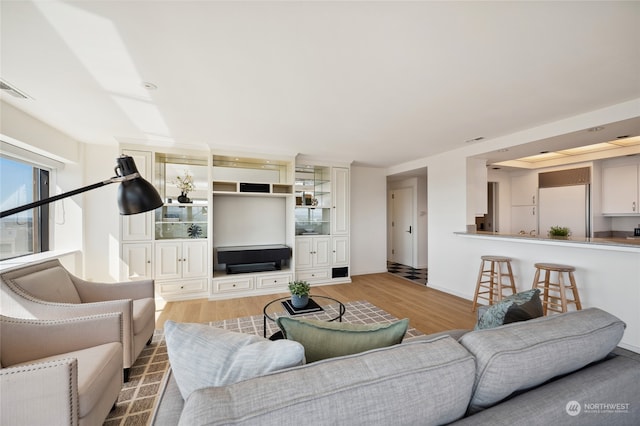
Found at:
(493, 271)
(555, 267)
(560, 299)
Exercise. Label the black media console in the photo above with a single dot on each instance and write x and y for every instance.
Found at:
(243, 259)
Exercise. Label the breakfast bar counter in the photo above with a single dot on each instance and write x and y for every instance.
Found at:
(609, 243)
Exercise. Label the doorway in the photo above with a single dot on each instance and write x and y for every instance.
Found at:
(407, 222)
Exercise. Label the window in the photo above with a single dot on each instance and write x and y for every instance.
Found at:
(26, 232)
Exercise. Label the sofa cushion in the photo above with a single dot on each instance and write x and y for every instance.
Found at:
(201, 355)
(51, 285)
(517, 307)
(420, 383)
(322, 339)
(525, 354)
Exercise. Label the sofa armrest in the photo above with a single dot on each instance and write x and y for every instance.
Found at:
(57, 402)
(23, 340)
(96, 292)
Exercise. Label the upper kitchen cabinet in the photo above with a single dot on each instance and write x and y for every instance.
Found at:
(621, 188)
(524, 189)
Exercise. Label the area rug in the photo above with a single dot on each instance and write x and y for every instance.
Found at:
(138, 396)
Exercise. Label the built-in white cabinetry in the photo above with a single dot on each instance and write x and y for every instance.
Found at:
(237, 202)
(137, 260)
(322, 223)
(524, 200)
(252, 208)
(181, 260)
(621, 189)
(136, 230)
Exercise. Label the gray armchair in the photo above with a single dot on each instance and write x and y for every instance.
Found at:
(59, 372)
(46, 290)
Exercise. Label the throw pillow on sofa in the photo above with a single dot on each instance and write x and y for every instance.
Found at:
(203, 356)
(517, 307)
(322, 339)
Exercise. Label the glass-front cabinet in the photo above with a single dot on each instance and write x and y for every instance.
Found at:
(177, 220)
(313, 200)
(183, 183)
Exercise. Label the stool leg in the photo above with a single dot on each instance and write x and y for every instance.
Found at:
(513, 283)
(574, 289)
(498, 281)
(561, 288)
(475, 297)
(545, 296)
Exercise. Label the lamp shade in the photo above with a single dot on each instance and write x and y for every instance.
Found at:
(135, 195)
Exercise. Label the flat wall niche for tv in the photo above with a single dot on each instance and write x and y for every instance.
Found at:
(239, 220)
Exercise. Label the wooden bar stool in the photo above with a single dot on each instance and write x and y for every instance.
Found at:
(493, 269)
(558, 301)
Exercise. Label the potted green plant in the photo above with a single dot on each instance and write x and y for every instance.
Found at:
(560, 232)
(299, 293)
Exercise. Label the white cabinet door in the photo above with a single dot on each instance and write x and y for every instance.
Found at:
(136, 261)
(313, 252)
(524, 218)
(340, 220)
(321, 251)
(340, 251)
(620, 189)
(194, 259)
(524, 189)
(139, 227)
(168, 261)
(304, 252)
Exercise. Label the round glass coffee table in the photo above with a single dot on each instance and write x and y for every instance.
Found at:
(320, 307)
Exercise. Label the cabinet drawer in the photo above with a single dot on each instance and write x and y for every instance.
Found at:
(280, 280)
(313, 275)
(183, 287)
(232, 285)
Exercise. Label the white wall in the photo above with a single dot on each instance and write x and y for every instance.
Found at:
(102, 216)
(368, 220)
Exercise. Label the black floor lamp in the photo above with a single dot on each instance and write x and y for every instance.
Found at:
(135, 195)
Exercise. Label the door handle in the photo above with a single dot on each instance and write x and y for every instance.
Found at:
(409, 231)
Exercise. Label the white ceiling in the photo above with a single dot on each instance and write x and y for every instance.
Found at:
(378, 83)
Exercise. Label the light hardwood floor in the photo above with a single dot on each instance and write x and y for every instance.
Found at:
(428, 310)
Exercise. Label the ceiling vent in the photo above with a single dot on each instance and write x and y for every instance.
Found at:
(10, 90)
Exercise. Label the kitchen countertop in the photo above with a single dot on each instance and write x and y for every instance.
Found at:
(610, 242)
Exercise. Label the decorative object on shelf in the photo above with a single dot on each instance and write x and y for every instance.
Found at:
(194, 231)
(299, 293)
(185, 185)
(559, 232)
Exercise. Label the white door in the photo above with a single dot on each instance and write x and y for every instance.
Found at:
(340, 251)
(402, 226)
(340, 221)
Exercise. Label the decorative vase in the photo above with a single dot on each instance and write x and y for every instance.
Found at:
(299, 301)
(183, 198)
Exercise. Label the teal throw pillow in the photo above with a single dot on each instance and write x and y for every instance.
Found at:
(322, 339)
(203, 356)
(517, 307)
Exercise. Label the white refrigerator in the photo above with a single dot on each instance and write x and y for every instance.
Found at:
(566, 206)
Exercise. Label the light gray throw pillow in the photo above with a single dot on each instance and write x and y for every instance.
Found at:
(203, 356)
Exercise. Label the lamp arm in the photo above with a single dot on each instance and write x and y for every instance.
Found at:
(67, 194)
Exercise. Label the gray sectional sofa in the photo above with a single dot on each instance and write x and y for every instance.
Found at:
(562, 369)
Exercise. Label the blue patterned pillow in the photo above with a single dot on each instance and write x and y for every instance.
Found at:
(517, 307)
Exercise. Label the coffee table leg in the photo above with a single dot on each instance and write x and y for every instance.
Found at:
(264, 326)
